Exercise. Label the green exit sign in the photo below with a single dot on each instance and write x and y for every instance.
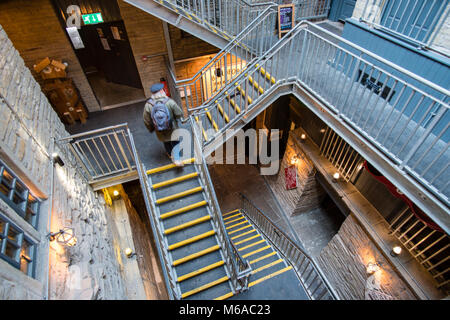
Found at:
(92, 18)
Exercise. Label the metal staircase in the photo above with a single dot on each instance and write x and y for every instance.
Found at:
(219, 21)
(400, 125)
(389, 115)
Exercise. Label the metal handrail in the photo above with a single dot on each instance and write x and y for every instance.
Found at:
(227, 48)
(240, 267)
(316, 287)
(101, 154)
(241, 49)
(168, 275)
(311, 61)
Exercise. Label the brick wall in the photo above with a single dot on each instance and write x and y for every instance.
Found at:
(185, 45)
(36, 32)
(89, 270)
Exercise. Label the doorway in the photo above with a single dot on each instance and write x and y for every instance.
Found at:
(105, 53)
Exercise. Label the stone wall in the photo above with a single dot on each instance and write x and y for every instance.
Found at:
(344, 262)
(89, 270)
(36, 32)
(308, 194)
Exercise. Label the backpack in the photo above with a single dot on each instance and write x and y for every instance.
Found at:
(161, 115)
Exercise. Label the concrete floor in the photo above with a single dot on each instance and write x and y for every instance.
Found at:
(312, 230)
(111, 94)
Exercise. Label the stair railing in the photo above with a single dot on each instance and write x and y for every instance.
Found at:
(168, 272)
(255, 39)
(103, 155)
(227, 16)
(311, 277)
(401, 114)
(238, 267)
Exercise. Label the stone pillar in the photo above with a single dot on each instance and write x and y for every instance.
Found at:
(308, 194)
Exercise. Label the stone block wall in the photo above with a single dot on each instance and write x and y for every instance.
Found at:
(89, 270)
(344, 262)
(308, 194)
(36, 32)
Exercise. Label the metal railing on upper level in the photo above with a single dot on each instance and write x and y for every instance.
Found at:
(227, 16)
(418, 21)
(404, 116)
(239, 268)
(310, 276)
(252, 41)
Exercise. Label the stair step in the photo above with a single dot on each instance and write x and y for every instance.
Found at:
(246, 239)
(263, 257)
(179, 195)
(204, 287)
(267, 266)
(234, 220)
(183, 210)
(256, 251)
(195, 255)
(236, 224)
(187, 224)
(243, 234)
(240, 229)
(228, 213)
(251, 245)
(168, 167)
(175, 180)
(234, 215)
(191, 240)
(201, 270)
(251, 284)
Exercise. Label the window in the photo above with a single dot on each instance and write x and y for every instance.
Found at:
(17, 196)
(16, 248)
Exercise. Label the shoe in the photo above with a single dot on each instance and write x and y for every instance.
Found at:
(178, 163)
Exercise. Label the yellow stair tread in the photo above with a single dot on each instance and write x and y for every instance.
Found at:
(187, 224)
(204, 287)
(175, 180)
(267, 266)
(195, 255)
(182, 210)
(237, 224)
(200, 271)
(179, 195)
(230, 212)
(251, 284)
(225, 296)
(234, 215)
(191, 240)
(168, 167)
(251, 245)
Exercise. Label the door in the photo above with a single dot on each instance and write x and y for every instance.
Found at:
(112, 52)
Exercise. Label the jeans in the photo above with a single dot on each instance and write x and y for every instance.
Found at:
(173, 148)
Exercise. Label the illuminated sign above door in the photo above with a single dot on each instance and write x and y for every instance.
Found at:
(92, 18)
